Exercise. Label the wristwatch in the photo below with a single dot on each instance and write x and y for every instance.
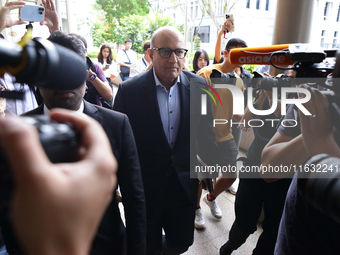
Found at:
(92, 77)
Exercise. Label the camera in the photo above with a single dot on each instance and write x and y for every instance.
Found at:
(261, 81)
(32, 13)
(222, 78)
(60, 142)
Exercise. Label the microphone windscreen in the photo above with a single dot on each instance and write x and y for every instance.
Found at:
(70, 72)
(258, 56)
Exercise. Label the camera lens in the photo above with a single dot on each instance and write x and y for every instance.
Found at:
(40, 13)
(41, 9)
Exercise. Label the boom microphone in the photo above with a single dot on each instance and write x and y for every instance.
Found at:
(44, 64)
(259, 55)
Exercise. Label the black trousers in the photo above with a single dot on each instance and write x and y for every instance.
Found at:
(175, 214)
(251, 195)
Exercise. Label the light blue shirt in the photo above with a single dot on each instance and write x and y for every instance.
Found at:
(170, 109)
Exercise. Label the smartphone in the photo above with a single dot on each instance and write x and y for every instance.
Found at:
(32, 13)
(229, 16)
(107, 66)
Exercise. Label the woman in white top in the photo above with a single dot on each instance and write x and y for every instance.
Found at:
(106, 62)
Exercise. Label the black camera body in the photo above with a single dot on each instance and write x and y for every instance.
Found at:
(60, 142)
(261, 81)
(222, 78)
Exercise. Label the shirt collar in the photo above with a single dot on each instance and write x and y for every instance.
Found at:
(158, 83)
(80, 110)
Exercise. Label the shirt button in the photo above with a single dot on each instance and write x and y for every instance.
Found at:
(170, 111)
(170, 95)
(172, 128)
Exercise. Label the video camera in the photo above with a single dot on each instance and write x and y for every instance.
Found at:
(260, 81)
(44, 64)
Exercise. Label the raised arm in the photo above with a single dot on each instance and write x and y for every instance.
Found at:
(5, 18)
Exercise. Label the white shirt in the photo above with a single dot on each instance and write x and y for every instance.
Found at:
(18, 107)
(138, 67)
(121, 57)
(112, 69)
(169, 108)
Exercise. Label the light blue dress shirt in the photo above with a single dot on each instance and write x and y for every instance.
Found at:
(170, 109)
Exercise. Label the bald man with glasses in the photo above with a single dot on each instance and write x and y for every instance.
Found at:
(157, 103)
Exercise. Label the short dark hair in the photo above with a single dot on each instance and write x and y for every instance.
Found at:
(196, 57)
(80, 38)
(146, 45)
(68, 41)
(128, 40)
(235, 42)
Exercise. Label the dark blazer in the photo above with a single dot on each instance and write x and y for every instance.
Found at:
(137, 98)
(111, 233)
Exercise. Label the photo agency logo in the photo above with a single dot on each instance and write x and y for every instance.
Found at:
(238, 103)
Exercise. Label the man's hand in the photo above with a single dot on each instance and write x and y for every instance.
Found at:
(51, 16)
(62, 203)
(5, 17)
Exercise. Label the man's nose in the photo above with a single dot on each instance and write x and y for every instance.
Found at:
(173, 58)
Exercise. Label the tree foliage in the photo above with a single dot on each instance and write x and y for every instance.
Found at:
(210, 7)
(135, 27)
(117, 10)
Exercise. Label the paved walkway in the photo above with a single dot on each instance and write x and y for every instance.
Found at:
(209, 240)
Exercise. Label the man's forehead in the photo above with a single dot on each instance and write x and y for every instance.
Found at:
(168, 40)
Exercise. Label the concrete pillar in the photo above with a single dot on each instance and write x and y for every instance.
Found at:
(71, 17)
(58, 9)
(293, 23)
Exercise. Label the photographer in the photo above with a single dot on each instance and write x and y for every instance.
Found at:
(56, 208)
(253, 192)
(303, 229)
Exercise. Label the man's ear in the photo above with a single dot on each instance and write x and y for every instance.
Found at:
(150, 52)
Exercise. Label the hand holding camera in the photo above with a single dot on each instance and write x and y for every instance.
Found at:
(45, 191)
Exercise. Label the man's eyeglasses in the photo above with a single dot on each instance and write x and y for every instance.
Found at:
(167, 52)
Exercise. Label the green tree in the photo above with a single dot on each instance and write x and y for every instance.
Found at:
(133, 27)
(153, 24)
(197, 43)
(117, 10)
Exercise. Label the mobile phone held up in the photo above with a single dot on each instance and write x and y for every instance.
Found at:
(32, 13)
(229, 16)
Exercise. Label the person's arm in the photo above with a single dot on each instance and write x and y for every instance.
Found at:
(100, 84)
(63, 203)
(5, 17)
(316, 137)
(131, 186)
(51, 19)
(224, 29)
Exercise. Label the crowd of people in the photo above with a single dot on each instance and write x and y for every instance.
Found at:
(144, 141)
